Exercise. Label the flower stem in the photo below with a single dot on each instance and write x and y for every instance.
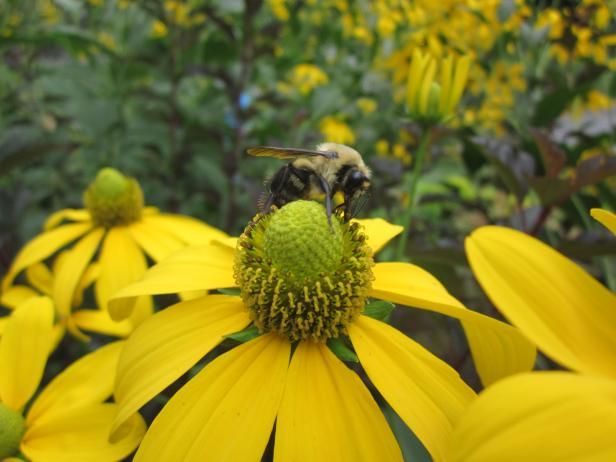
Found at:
(407, 217)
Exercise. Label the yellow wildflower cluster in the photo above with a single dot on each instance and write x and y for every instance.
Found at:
(177, 13)
(335, 130)
(397, 150)
(306, 77)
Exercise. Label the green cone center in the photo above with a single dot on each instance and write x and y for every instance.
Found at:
(301, 277)
(113, 199)
(12, 429)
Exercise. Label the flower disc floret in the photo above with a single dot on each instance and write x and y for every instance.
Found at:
(12, 428)
(113, 199)
(301, 277)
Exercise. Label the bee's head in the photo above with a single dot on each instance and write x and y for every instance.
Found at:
(355, 180)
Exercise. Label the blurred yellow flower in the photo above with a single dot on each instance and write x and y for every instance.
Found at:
(306, 389)
(116, 221)
(279, 8)
(159, 29)
(431, 101)
(306, 77)
(70, 419)
(367, 105)
(336, 131)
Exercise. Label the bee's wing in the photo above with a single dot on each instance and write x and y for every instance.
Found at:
(289, 153)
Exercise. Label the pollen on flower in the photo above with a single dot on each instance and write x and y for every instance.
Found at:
(12, 428)
(301, 278)
(113, 199)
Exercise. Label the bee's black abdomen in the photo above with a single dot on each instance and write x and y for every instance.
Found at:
(288, 184)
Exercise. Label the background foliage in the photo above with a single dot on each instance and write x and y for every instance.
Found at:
(172, 92)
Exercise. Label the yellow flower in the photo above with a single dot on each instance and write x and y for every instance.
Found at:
(367, 105)
(293, 258)
(336, 131)
(306, 77)
(159, 29)
(279, 8)
(428, 100)
(548, 416)
(605, 217)
(69, 420)
(116, 221)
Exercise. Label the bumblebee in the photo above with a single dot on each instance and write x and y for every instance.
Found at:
(329, 169)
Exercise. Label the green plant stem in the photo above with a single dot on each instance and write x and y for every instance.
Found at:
(407, 217)
(603, 262)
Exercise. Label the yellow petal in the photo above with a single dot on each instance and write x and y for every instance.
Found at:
(193, 268)
(460, 76)
(227, 411)
(446, 78)
(90, 275)
(40, 277)
(187, 229)
(329, 406)
(423, 390)
(24, 348)
(157, 243)
(3, 322)
(426, 84)
(81, 436)
(88, 380)
(379, 232)
(67, 214)
(71, 270)
(121, 262)
(605, 217)
(169, 343)
(498, 349)
(16, 295)
(543, 416)
(100, 322)
(558, 306)
(42, 246)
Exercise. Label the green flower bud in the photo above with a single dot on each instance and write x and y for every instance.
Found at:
(12, 429)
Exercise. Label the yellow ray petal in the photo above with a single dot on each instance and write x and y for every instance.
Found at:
(24, 348)
(379, 232)
(42, 246)
(446, 78)
(169, 343)
(605, 217)
(425, 392)
(88, 380)
(121, 262)
(40, 277)
(560, 307)
(67, 214)
(157, 243)
(187, 229)
(80, 436)
(498, 349)
(329, 406)
(71, 270)
(99, 321)
(227, 411)
(543, 416)
(3, 322)
(16, 295)
(193, 268)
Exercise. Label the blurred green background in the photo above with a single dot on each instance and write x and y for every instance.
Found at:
(172, 92)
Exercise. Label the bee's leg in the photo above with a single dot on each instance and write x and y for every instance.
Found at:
(328, 200)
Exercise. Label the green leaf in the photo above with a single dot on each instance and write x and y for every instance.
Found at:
(379, 309)
(245, 335)
(339, 348)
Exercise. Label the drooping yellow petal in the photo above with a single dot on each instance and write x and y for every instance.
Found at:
(100, 322)
(379, 232)
(498, 349)
(185, 228)
(71, 270)
(24, 348)
(157, 243)
(329, 406)
(121, 262)
(605, 217)
(40, 277)
(426, 84)
(67, 214)
(446, 78)
(193, 268)
(3, 322)
(558, 306)
(16, 295)
(542, 416)
(460, 76)
(169, 343)
(227, 411)
(42, 246)
(87, 381)
(423, 390)
(81, 436)
(88, 277)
